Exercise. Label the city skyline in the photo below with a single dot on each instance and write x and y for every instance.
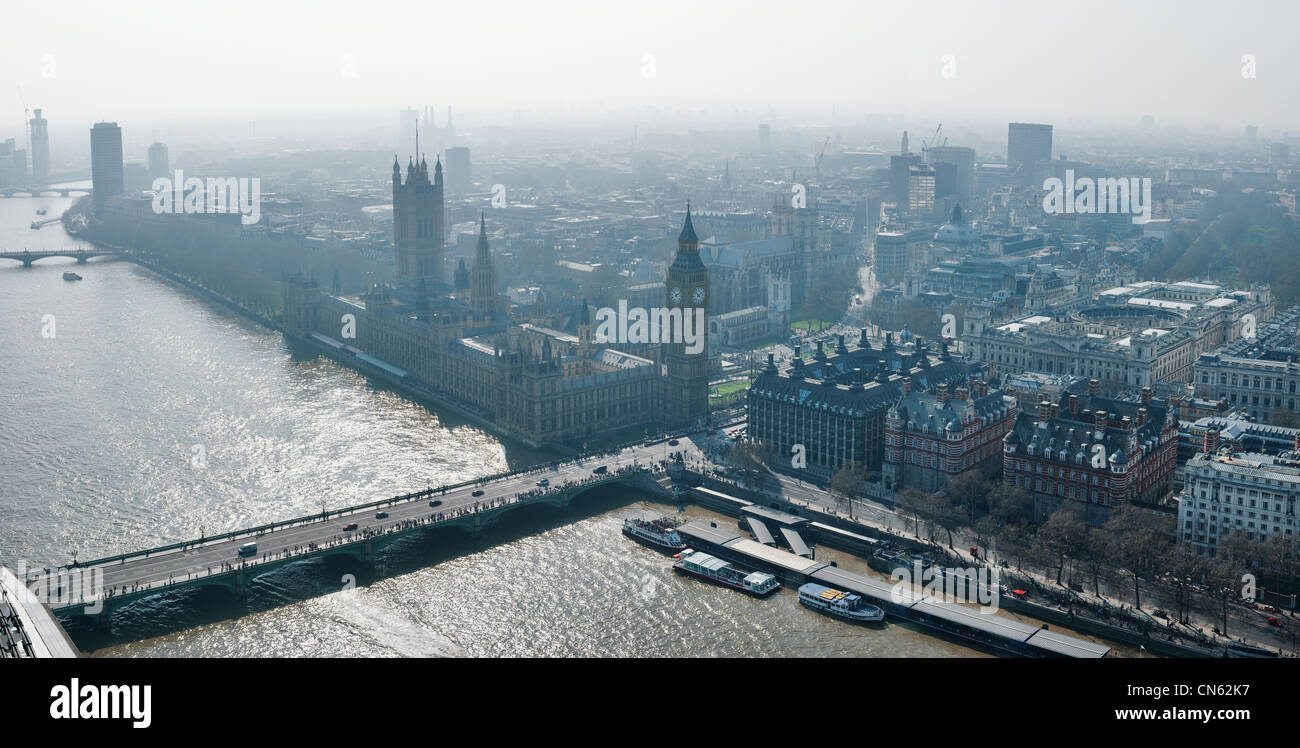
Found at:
(907, 331)
(998, 61)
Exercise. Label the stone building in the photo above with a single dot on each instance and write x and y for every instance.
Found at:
(833, 406)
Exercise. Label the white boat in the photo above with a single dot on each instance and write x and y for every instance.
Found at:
(658, 533)
(712, 569)
(839, 603)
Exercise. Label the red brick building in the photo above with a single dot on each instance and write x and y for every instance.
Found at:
(1097, 451)
(930, 438)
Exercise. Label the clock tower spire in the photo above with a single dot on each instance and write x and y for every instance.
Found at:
(686, 352)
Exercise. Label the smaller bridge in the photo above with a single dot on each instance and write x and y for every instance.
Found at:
(40, 191)
(56, 183)
(27, 257)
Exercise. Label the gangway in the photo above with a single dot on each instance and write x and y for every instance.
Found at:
(796, 543)
(760, 531)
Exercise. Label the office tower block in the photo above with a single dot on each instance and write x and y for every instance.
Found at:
(106, 175)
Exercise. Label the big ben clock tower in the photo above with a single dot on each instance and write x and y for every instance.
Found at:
(687, 382)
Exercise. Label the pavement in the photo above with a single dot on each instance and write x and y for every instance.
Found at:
(1248, 622)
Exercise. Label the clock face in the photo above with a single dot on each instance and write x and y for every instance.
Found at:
(697, 296)
(675, 295)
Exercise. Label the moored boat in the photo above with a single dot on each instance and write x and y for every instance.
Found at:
(846, 605)
(1241, 649)
(68, 275)
(657, 533)
(712, 569)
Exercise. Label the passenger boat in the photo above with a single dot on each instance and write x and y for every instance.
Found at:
(712, 569)
(1240, 649)
(657, 533)
(846, 605)
(68, 275)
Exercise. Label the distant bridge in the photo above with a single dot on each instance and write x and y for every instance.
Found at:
(38, 191)
(53, 183)
(80, 255)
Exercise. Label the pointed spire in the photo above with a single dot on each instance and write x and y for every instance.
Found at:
(585, 319)
(688, 229)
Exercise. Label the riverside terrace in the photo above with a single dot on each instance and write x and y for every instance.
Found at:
(215, 561)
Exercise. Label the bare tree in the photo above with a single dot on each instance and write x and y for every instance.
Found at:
(1136, 537)
(1063, 536)
(846, 483)
(970, 493)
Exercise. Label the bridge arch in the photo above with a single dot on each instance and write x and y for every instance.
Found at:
(29, 258)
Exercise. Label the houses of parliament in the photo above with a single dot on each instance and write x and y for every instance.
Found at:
(459, 343)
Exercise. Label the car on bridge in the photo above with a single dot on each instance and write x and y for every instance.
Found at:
(544, 482)
(381, 515)
(350, 526)
(248, 549)
(601, 470)
(435, 502)
(478, 493)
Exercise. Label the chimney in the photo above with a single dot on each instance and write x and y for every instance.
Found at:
(1146, 395)
(1142, 417)
(963, 393)
(982, 387)
(1100, 420)
(1211, 441)
(906, 386)
(1094, 388)
(1055, 410)
(1074, 405)
(1044, 408)
(941, 392)
(1126, 423)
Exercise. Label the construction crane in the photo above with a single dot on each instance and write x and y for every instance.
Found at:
(934, 140)
(817, 163)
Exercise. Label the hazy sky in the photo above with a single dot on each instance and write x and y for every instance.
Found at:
(1040, 61)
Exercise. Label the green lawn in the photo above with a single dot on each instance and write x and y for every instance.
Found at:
(730, 388)
(810, 324)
